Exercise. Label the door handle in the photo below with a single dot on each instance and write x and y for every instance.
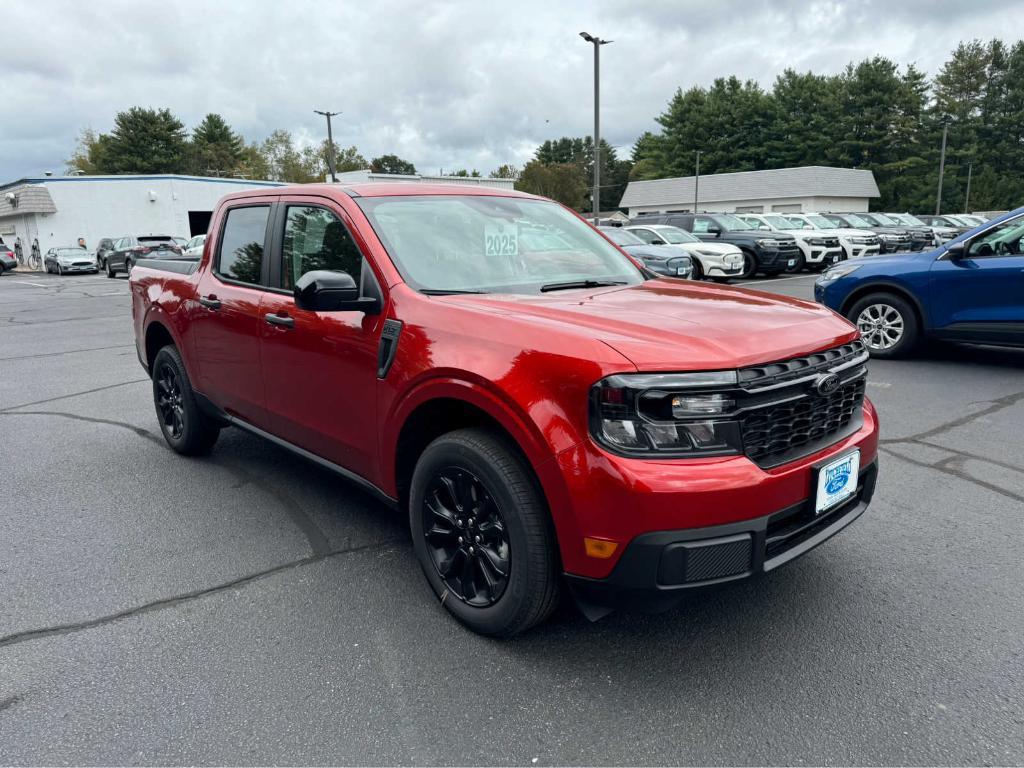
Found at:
(210, 302)
(281, 321)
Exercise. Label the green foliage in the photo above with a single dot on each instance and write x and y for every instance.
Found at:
(215, 150)
(563, 182)
(474, 174)
(392, 164)
(579, 151)
(873, 115)
(143, 141)
(505, 172)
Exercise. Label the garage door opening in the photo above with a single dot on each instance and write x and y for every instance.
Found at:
(198, 222)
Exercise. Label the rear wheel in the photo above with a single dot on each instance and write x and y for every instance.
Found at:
(128, 266)
(887, 324)
(185, 427)
(482, 533)
(108, 268)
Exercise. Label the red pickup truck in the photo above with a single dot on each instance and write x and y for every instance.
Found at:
(552, 417)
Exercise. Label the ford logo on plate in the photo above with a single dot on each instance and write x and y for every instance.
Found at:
(826, 384)
(837, 479)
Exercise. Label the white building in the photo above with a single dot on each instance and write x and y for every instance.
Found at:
(57, 210)
(782, 190)
(366, 175)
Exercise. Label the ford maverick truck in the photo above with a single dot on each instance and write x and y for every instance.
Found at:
(552, 417)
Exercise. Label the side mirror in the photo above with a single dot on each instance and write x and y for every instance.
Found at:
(325, 291)
(716, 231)
(957, 251)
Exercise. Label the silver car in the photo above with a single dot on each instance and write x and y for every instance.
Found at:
(65, 261)
(194, 247)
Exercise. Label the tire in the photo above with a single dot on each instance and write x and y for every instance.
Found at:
(749, 266)
(185, 427)
(108, 268)
(698, 269)
(509, 518)
(901, 332)
(128, 267)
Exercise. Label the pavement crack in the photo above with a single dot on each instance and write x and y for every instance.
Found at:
(315, 537)
(9, 702)
(996, 405)
(184, 598)
(67, 352)
(144, 433)
(951, 466)
(73, 394)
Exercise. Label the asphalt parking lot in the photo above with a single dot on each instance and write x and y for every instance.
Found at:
(252, 608)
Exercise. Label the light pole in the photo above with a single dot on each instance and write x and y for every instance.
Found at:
(597, 43)
(942, 168)
(967, 195)
(696, 182)
(330, 142)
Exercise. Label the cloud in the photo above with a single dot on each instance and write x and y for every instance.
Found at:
(444, 84)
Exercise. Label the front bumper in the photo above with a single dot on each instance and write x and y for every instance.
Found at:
(658, 569)
(70, 268)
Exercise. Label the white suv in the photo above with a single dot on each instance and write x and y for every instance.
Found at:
(819, 249)
(855, 242)
(719, 261)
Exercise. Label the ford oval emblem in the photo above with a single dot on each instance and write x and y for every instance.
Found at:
(838, 481)
(826, 384)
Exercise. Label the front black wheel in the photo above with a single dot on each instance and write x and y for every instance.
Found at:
(108, 268)
(482, 533)
(749, 265)
(185, 427)
(698, 269)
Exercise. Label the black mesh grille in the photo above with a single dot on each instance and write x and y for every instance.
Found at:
(776, 429)
(717, 560)
(798, 367)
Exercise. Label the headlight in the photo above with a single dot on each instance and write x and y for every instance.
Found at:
(706, 253)
(883, 236)
(666, 415)
(767, 242)
(815, 241)
(834, 273)
(861, 240)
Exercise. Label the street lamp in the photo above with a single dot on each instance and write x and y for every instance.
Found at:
(330, 142)
(597, 43)
(942, 167)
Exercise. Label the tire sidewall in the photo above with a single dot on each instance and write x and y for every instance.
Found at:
(909, 339)
(191, 415)
(750, 265)
(494, 618)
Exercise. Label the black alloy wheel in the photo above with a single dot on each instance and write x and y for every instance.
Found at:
(108, 267)
(466, 537)
(698, 269)
(128, 266)
(749, 266)
(169, 401)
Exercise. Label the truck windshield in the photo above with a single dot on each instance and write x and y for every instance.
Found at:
(884, 220)
(491, 244)
(729, 222)
(779, 222)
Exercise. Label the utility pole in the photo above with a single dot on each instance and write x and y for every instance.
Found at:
(696, 183)
(330, 143)
(942, 169)
(597, 43)
(967, 195)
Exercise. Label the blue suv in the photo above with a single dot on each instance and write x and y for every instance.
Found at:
(970, 289)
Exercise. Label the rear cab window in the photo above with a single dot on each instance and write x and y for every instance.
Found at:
(240, 255)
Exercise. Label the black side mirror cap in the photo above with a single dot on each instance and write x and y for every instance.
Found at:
(716, 231)
(332, 291)
(956, 251)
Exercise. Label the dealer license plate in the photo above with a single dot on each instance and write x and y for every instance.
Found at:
(837, 482)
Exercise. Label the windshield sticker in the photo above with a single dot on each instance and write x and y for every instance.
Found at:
(501, 240)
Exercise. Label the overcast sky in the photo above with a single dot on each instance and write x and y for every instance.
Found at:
(443, 84)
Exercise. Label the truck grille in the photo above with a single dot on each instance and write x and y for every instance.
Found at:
(782, 411)
(778, 429)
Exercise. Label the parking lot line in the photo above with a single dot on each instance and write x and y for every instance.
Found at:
(25, 282)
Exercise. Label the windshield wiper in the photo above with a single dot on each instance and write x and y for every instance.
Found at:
(446, 291)
(579, 284)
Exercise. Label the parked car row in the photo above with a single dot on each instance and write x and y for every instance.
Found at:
(115, 255)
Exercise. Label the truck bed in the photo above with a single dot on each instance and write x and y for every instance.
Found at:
(179, 266)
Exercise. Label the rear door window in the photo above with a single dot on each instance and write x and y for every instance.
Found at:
(240, 256)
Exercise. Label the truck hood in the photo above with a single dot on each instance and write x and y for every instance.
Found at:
(663, 325)
(846, 232)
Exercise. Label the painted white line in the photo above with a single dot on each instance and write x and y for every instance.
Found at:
(24, 282)
(779, 280)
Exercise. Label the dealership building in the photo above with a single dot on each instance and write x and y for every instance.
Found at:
(781, 190)
(57, 210)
